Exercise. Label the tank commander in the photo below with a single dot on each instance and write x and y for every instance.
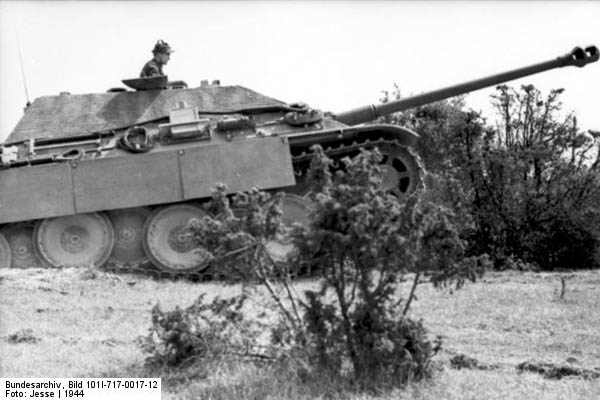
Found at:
(162, 53)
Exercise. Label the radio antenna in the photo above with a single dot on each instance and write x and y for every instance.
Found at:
(23, 71)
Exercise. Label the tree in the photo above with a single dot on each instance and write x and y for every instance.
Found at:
(530, 183)
(540, 176)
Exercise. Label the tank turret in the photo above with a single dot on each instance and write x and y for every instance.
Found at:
(114, 177)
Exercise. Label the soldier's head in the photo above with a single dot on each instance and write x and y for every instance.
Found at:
(162, 52)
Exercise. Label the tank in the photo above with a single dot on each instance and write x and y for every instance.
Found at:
(114, 177)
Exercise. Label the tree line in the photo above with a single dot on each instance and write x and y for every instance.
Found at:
(527, 186)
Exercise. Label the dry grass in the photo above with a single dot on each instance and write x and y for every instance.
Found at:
(88, 325)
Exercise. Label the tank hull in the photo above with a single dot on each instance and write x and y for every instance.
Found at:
(167, 175)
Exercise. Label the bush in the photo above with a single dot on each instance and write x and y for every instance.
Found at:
(530, 184)
(364, 243)
(204, 330)
(387, 350)
(370, 242)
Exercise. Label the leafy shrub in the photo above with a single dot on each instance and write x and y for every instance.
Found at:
(557, 371)
(461, 361)
(363, 241)
(370, 241)
(204, 330)
(174, 338)
(23, 336)
(386, 349)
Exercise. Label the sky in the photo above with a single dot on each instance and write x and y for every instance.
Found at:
(333, 55)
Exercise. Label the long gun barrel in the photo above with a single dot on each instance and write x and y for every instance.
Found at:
(577, 57)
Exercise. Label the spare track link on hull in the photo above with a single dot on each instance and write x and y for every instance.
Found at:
(349, 148)
(411, 174)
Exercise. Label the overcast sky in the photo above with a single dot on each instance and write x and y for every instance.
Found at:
(333, 55)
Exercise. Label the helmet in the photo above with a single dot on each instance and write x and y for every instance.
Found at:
(162, 47)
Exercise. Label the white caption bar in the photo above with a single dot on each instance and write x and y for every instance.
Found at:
(81, 388)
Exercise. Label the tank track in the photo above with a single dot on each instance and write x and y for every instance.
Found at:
(342, 149)
(299, 161)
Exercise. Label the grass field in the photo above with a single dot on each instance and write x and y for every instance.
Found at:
(71, 323)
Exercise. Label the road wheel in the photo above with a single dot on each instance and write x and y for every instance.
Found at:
(169, 245)
(20, 241)
(80, 240)
(4, 252)
(128, 225)
(402, 173)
